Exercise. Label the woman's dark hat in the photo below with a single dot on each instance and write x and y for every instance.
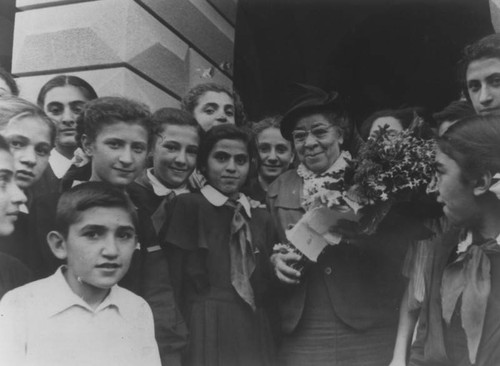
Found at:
(311, 98)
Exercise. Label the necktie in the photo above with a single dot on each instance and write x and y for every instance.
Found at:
(241, 254)
(469, 276)
(158, 217)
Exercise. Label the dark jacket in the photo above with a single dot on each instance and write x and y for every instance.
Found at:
(150, 278)
(364, 282)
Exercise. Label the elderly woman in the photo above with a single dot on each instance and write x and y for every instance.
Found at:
(341, 310)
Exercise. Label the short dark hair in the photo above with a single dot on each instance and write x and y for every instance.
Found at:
(405, 116)
(13, 107)
(474, 144)
(85, 196)
(9, 80)
(109, 110)
(190, 100)
(173, 116)
(225, 132)
(63, 80)
(454, 111)
(486, 47)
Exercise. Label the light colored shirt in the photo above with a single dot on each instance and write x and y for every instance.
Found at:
(59, 163)
(45, 323)
(159, 188)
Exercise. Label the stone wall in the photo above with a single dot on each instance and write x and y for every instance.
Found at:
(150, 50)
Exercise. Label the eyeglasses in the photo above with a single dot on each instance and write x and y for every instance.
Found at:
(318, 133)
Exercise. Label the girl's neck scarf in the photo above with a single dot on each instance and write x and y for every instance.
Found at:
(469, 276)
(242, 253)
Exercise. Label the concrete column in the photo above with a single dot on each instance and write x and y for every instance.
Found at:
(149, 50)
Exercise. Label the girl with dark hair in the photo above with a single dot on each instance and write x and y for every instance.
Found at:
(219, 261)
(460, 318)
(338, 310)
(213, 104)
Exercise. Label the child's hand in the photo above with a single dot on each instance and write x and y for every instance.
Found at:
(285, 273)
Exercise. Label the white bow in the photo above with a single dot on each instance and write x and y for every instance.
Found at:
(495, 187)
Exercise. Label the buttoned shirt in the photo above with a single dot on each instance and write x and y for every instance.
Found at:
(46, 323)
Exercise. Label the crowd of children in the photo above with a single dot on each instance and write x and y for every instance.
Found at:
(137, 238)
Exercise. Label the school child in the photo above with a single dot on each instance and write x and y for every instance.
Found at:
(459, 323)
(117, 134)
(30, 135)
(12, 272)
(218, 250)
(212, 105)
(174, 153)
(62, 98)
(79, 316)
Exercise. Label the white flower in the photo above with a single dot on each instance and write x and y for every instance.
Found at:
(495, 187)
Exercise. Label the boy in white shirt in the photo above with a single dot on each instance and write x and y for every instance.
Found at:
(79, 316)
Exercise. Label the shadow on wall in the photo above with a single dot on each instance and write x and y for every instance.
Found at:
(381, 53)
(7, 11)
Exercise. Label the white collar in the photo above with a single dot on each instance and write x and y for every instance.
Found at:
(217, 199)
(59, 163)
(159, 188)
(62, 297)
(466, 243)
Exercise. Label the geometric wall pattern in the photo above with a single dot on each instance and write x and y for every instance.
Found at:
(152, 50)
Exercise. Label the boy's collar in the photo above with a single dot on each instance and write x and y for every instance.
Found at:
(159, 188)
(61, 297)
(59, 163)
(218, 199)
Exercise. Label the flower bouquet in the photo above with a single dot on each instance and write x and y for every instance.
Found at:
(390, 168)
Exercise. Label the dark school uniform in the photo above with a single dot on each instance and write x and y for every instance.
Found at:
(345, 309)
(254, 190)
(224, 329)
(13, 273)
(149, 275)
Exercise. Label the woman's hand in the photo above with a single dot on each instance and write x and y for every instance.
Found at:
(285, 273)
